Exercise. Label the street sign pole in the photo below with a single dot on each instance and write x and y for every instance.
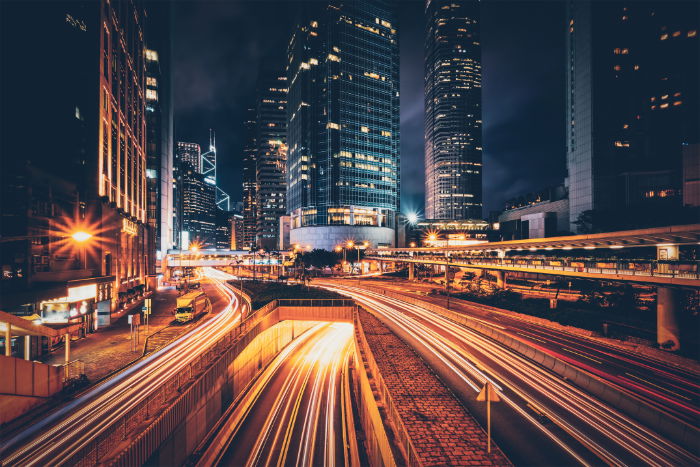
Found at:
(488, 394)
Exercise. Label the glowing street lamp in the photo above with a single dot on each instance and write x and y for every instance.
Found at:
(81, 236)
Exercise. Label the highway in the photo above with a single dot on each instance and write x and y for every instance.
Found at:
(294, 414)
(576, 425)
(674, 389)
(56, 438)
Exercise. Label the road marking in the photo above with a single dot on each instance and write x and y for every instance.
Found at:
(533, 338)
(581, 355)
(657, 386)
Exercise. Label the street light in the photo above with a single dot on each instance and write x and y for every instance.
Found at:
(81, 236)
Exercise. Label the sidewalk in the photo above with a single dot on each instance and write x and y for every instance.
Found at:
(109, 349)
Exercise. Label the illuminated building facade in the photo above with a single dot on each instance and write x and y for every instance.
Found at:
(198, 208)
(343, 124)
(250, 151)
(453, 126)
(270, 159)
(190, 153)
(632, 104)
(159, 134)
(93, 137)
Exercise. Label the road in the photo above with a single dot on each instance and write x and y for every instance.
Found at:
(294, 414)
(57, 437)
(674, 389)
(576, 425)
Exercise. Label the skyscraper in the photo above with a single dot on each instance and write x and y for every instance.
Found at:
(198, 208)
(271, 158)
(159, 131)
(632, 105)
(453, 126)
(189, 152)
(93, 107)
(343, 124)
(249, 180)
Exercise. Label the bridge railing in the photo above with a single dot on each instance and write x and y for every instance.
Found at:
(673, 269)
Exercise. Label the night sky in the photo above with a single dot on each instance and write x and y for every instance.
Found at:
(218, 48)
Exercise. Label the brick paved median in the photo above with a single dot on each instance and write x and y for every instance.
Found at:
(441, 429)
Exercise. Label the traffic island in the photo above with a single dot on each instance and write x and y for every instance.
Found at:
(422, 415)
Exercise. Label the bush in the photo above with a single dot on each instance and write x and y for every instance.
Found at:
(262, 293)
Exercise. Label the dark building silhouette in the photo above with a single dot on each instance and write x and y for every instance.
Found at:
(343, 124)
(159, 132)
(453, 126)
(632, 105)
(198, 208)
(249, 180)
(76, 111)
(270, 158)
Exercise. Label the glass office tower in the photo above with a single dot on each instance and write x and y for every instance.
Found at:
(343, 124)
(452, 110)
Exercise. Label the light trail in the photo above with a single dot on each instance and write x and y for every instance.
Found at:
(671, 388)
(291, 413)
(54, 439)
(612, 436)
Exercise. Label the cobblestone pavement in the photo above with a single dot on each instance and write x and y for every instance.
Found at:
(441, 429)
(110, 348)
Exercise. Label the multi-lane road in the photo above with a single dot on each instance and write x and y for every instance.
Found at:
(669, 387)
(295, 413)
(563, 423)
(54, 439)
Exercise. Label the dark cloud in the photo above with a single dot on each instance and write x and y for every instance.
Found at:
(220, 46)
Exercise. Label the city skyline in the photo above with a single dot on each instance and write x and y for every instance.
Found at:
(536, 160)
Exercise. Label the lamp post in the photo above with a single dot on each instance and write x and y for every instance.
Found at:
(447, 280)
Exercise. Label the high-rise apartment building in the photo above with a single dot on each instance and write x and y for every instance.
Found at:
(159, 133)
(632, 105)
(190, 153)
(250, 150)
(453, 126)
(198, 208)
(271, 158)
(92, 106)
(343, 124)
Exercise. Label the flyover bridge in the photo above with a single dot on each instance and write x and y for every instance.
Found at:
(667, 272)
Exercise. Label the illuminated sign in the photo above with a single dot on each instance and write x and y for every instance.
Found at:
(129, 227)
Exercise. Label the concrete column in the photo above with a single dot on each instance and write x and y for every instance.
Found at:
(8, 340)
(500, 279)
(27, 347)
(667, 307)
(67, 339)
(411, 271)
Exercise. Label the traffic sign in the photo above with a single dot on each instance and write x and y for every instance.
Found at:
(492, 394)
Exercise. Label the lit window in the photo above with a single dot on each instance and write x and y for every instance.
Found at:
(676, 34)
(617, 67)
(692, 33)
(313, 61)
(333, 58)
(151, 55)
(664, 105)
(151, 81)
(364, 129)
(332, 126)
(676, 94)
(314, 24)
(652, 99)
(678, 103)
(665, 96)
(636, 67)
(664, 37)
(625, 126)
(386, 133)
(151, 95)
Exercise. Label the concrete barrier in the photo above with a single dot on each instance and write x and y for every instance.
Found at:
(663, 423)
(168, 426)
